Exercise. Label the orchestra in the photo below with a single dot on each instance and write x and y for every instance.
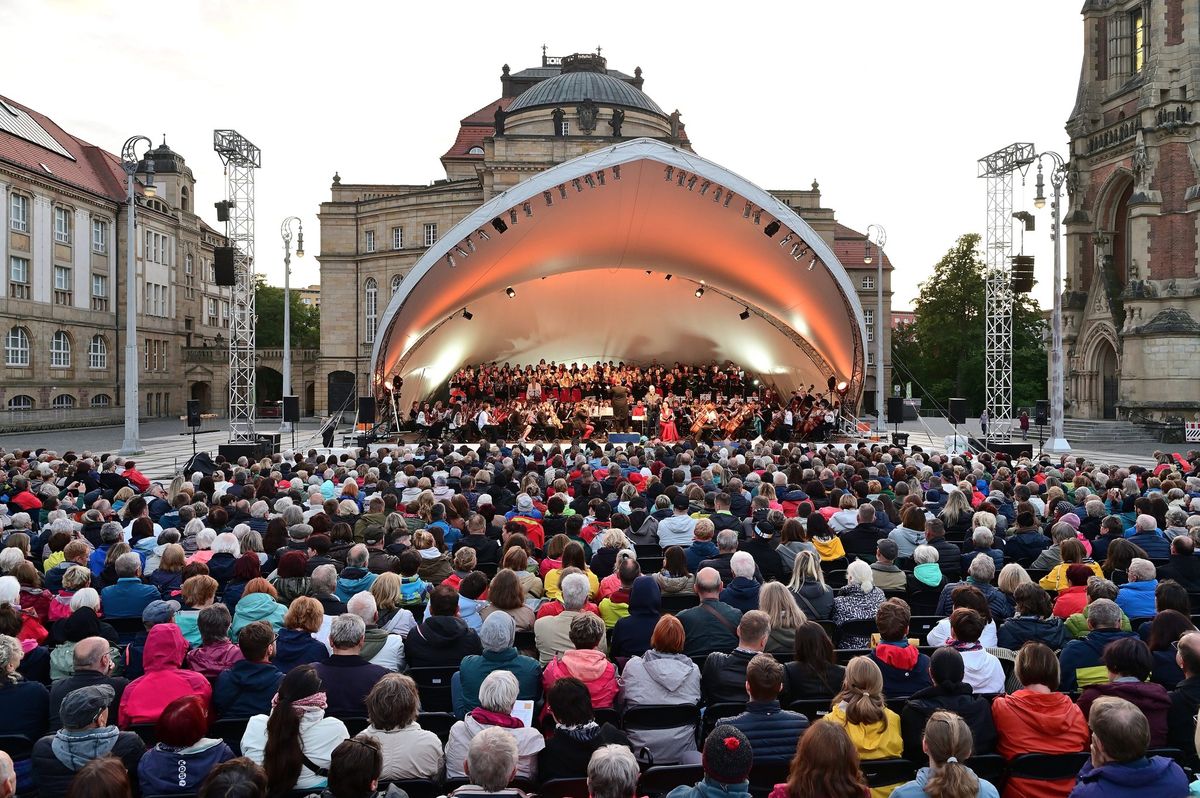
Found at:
(554, 401)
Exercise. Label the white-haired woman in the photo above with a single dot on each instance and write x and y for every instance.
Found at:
(857, 601)
(497, 696)
(225, 551)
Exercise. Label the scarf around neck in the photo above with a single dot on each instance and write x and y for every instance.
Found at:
(489, 718)
(583, 732)
(302, 705)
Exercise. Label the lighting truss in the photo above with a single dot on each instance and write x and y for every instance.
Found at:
(241, 158)
(998, 168)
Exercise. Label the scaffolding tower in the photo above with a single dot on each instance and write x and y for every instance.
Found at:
(998, 169)
(241, 158)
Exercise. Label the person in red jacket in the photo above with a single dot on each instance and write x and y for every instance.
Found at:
(135, 477)
(1038, 719)
(146, 697)
(22, 497)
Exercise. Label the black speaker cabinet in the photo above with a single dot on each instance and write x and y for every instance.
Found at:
(223, 265)
(366, 410)
(291, 408)
(958, 411)
(193, 412)
(1042, 413)
(895, 410)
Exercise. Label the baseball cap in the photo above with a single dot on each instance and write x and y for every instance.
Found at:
(372, 535)
(888, 548)
(81, 706)
(681, 502)
(160, 611)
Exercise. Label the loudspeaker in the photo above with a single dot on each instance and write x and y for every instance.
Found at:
(291, 408)
(958, 411)
(895, 410)
(232, 451)
(366, 410)
(193, 412)
(268, 443)
(1022, 274)
(1041, 413)
(223, 265)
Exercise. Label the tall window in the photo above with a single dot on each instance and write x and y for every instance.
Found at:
(18, 216)
(99, 236)
(16, 348)
(62, 285)
(98, 353)
(430, 234)
(397, 238)
(371, 305)
(210, 314)
(99, 292)
(187, 264)
(60, 350)
(869, 317)
(158, 248)
(1137, 31)
(18, 278)
(564, 128)
(395, 284)
(1128, 44)
(21, 402)
(370, 241)
(62, 225)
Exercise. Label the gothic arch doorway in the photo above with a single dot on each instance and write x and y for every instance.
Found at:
(1107, 379)
(202, 393)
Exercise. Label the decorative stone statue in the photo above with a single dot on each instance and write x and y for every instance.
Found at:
(558, 115)
(588, 113)
(499, 123)
(1140, 162)
(675, 124)
(618, 119)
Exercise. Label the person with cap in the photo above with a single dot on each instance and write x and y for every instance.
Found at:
(85, 735)
(887, 575)
(93, 665)
(762, 547)
(164, 681)
(727, 759)
(678, 528)
(378, 560)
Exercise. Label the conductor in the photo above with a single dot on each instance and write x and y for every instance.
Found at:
(620, 406)
(327, 431)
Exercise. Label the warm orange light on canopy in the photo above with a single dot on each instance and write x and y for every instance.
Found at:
(575, 243)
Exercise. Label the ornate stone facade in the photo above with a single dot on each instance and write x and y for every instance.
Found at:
(1132, 296)
(372, 235)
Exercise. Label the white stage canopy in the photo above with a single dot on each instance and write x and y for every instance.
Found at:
(575, 243)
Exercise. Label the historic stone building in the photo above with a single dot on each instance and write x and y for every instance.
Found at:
(62, 287)
(1132, 296)
(372, 235)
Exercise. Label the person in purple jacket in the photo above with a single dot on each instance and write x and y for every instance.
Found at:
(1119, 767)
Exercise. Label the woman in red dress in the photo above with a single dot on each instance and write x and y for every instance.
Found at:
(666, 422)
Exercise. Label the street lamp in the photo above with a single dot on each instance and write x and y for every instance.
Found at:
(1058, 175)
(132, 443)
(286, 231)
(880, 240)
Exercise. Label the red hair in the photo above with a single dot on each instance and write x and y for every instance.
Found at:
(183, 722)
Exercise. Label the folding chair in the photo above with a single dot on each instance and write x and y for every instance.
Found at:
(661, 779)
(433, 685)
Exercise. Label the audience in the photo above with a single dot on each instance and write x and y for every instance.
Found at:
(813, 671)
(145, 698)
(249, 685)
(1081, 660)
(585, 662)
(85, 735)
(499, 654)
(347, 675)
(409, 752)
(905, 669)
(612, 772)
(1128, 662)
(950, 693)
(1118, 766)
(826, 764)
(498, 694)
(711, 626)
(769, 728)
(859, 600)
(723, 678)
(947, 743)
(577, 735)
(183, 757)
(93, 666)
(492, 760)
(726, 759)
(860, 709)
(662, 676)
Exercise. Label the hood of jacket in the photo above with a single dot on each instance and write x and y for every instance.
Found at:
(675, 584)
(165, 648)
(911, 535)
(1034, 709)
(441, 630)
(645, 597)
(668, 670)
(586, 664)
(1146, 695)
(215, 657)
(80, 624)
(707, 788)
(255, 676)
(705, 549)
(373, 642)
(257, 607)
(468, 607)
(928, 573)
(354, 580)
(74, 749)
(742, 587)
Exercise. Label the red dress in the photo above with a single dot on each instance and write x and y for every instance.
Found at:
(668, 433)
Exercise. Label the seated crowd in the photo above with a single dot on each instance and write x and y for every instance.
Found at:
(805, 622)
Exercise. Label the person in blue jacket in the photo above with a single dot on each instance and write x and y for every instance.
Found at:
(129, 597)
(1119, 767)
(247, 688)
(1136, 597)
(1146, 535)
(947, 742)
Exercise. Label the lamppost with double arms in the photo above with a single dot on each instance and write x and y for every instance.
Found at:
(1058, 175)
(132, 443)
(286, 231)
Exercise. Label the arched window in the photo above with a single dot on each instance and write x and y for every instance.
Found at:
(184, 200)
(60, 350)
(64, 401)
(395, 284)
(371, 306)
(98, 353)
(475, 151)
(101, 400)
(20, 402)
(16, 348)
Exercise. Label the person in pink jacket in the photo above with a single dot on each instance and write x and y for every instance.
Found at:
(585, 662)
(147, 696)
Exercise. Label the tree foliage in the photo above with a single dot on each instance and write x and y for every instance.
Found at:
(268, 305)
(942, 352)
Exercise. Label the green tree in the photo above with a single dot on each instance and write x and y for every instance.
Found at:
(268, 305)
(942, 351)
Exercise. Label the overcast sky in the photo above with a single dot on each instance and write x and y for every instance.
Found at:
(888, 105)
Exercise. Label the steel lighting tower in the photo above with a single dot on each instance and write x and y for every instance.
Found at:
(241, 158)
(1058, 175)
(132, 444)
(286, 231)
(998, 168)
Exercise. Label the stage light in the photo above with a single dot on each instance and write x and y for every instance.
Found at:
(744, 315)
(499, 224)
(699, 292)
(483, 234)
(512, 292)
(468, 315)
(668, 277)
(842, 386)
(770, 230)
(756, 382)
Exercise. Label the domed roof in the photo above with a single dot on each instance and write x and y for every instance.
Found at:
(584, 82)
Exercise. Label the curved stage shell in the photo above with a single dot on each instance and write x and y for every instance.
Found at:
(587, 246)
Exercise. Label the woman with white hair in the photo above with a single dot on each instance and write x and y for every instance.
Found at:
(204, 541)
(225, 551)
(497, 696)
(859, 600)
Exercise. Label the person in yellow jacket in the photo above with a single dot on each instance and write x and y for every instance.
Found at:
(572, 557)
(860, 709)
(827, 544)
(1072, 553)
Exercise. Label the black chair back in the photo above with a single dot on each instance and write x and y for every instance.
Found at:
(561, 788)
(16, 746)
(433, 685)
(882, 772)
(715, 713)
(765, 775)
(919, 626)
(231, 730)
(661, 779)
(844, 655)
(673, 603)
(990, 767)
(355, 724)
(860, 628)
(524, 640)
(811, 708)
(648, 550)
(146, 732)
(1047, 767)
(437, 722)
(415, 788)
(660, 716)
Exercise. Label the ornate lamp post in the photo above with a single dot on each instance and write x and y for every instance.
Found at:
(132, 443)
(286, 231)
(1058, 175)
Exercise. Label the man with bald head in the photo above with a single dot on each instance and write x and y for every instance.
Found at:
(711, 626)
(1185, 698)
(8, 776)
(93, 665)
